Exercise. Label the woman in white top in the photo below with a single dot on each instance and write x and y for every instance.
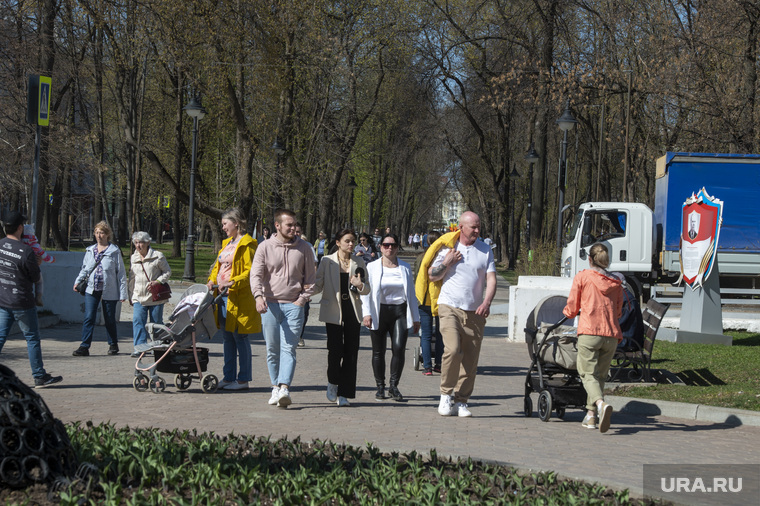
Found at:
(390, 308)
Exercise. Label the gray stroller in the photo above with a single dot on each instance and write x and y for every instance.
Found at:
(552, 372)
(174, 346)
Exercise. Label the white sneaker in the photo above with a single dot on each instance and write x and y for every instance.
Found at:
(284, 400)
(275, 396)
(342, 402)
(332, 392)
(461, 410)
(445, 408)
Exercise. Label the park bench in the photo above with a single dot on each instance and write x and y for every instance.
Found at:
(638, 362)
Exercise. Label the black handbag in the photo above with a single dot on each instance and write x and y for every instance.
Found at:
(81, 287)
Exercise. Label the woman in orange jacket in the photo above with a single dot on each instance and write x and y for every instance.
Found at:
(598, 295)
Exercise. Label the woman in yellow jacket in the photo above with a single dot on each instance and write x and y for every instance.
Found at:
(237, 316)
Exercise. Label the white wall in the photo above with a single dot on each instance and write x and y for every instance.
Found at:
(524, 297)
(58, 294)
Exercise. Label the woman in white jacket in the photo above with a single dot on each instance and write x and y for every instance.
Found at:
(389, 308)
(147, 267)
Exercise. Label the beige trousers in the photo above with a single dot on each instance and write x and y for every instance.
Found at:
(594, 358)
(462, 333)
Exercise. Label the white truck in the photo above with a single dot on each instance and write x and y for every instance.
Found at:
(644, 245)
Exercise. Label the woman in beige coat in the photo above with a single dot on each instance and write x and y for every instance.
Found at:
(147, 267)
(341, 279)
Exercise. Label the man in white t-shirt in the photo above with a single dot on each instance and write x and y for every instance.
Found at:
(466, 270)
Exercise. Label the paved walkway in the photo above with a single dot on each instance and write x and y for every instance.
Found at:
(99, 388)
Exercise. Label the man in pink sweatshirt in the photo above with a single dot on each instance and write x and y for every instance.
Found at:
(282, 280)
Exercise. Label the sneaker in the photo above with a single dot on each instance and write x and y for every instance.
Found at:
(275, 396)
(46, 380)
(284, 400)
(301, 343)
(380, 394)
(605, 415)
(395, 394)
(437, 368)
(81, 352)
(113, 349)
(236, 386)
(343, 402)
(428, 371)
(332, 392)
(445, 408)
(225, 384)
(589, 422)
(461, 410)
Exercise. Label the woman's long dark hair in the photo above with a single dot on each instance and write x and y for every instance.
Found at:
(339, 236)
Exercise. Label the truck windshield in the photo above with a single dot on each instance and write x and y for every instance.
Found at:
(603, 225)
(572, 228)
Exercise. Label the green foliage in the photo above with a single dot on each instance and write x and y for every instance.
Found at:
(149, 466)
(540, 261)
(712, 374)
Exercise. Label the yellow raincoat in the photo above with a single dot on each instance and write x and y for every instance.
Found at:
(427, 292)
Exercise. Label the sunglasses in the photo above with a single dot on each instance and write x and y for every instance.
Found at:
(389, 245)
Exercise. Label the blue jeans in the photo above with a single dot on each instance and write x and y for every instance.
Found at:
(427, 336)
(140, 315)
(91, 301)
(235, 346)
(27, 322)
(281, 325)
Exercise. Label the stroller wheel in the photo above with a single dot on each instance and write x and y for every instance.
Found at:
(140, 382)
(417, 358)
(209, 383)
(545, 406)
(528, 406)
(182, 381)
(157, 385)
(560, 412)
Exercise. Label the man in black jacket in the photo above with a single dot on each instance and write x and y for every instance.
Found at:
(19, 271)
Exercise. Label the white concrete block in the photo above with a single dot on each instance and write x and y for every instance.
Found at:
(58, 294)
(524, 297)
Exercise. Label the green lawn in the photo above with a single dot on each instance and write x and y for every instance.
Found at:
(712, 374)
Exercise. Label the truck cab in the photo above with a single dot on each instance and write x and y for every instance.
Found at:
(625, 228)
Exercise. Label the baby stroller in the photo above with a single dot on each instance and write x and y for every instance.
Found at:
(174, 347)
(553, 354)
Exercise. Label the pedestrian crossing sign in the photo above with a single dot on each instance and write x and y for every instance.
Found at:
(43, 111)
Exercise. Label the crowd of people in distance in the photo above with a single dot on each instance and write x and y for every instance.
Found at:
(265, 285)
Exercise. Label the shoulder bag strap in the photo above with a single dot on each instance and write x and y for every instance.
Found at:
(95, 266)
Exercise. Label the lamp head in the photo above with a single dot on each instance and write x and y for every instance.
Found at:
(532, 155)
(567, 120)
(278, 147)
(194, 109)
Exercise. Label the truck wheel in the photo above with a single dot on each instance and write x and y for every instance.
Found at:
(638, 290)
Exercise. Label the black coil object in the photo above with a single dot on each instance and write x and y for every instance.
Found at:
(34, 446)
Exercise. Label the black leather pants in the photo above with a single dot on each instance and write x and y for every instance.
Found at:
(392, 319)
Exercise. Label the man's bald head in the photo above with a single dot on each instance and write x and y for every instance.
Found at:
(469, 224)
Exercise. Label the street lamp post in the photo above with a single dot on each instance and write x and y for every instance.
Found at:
(370, 194)
(196, 111)
(565, 122)
(531, 157)
(512, 178)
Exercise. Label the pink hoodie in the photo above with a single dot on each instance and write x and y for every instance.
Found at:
(283, 271)
(599, 298)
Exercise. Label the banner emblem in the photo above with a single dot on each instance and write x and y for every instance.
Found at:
(702, 216)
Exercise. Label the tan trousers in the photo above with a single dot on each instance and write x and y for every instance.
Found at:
(462, 333)
(594, 358)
